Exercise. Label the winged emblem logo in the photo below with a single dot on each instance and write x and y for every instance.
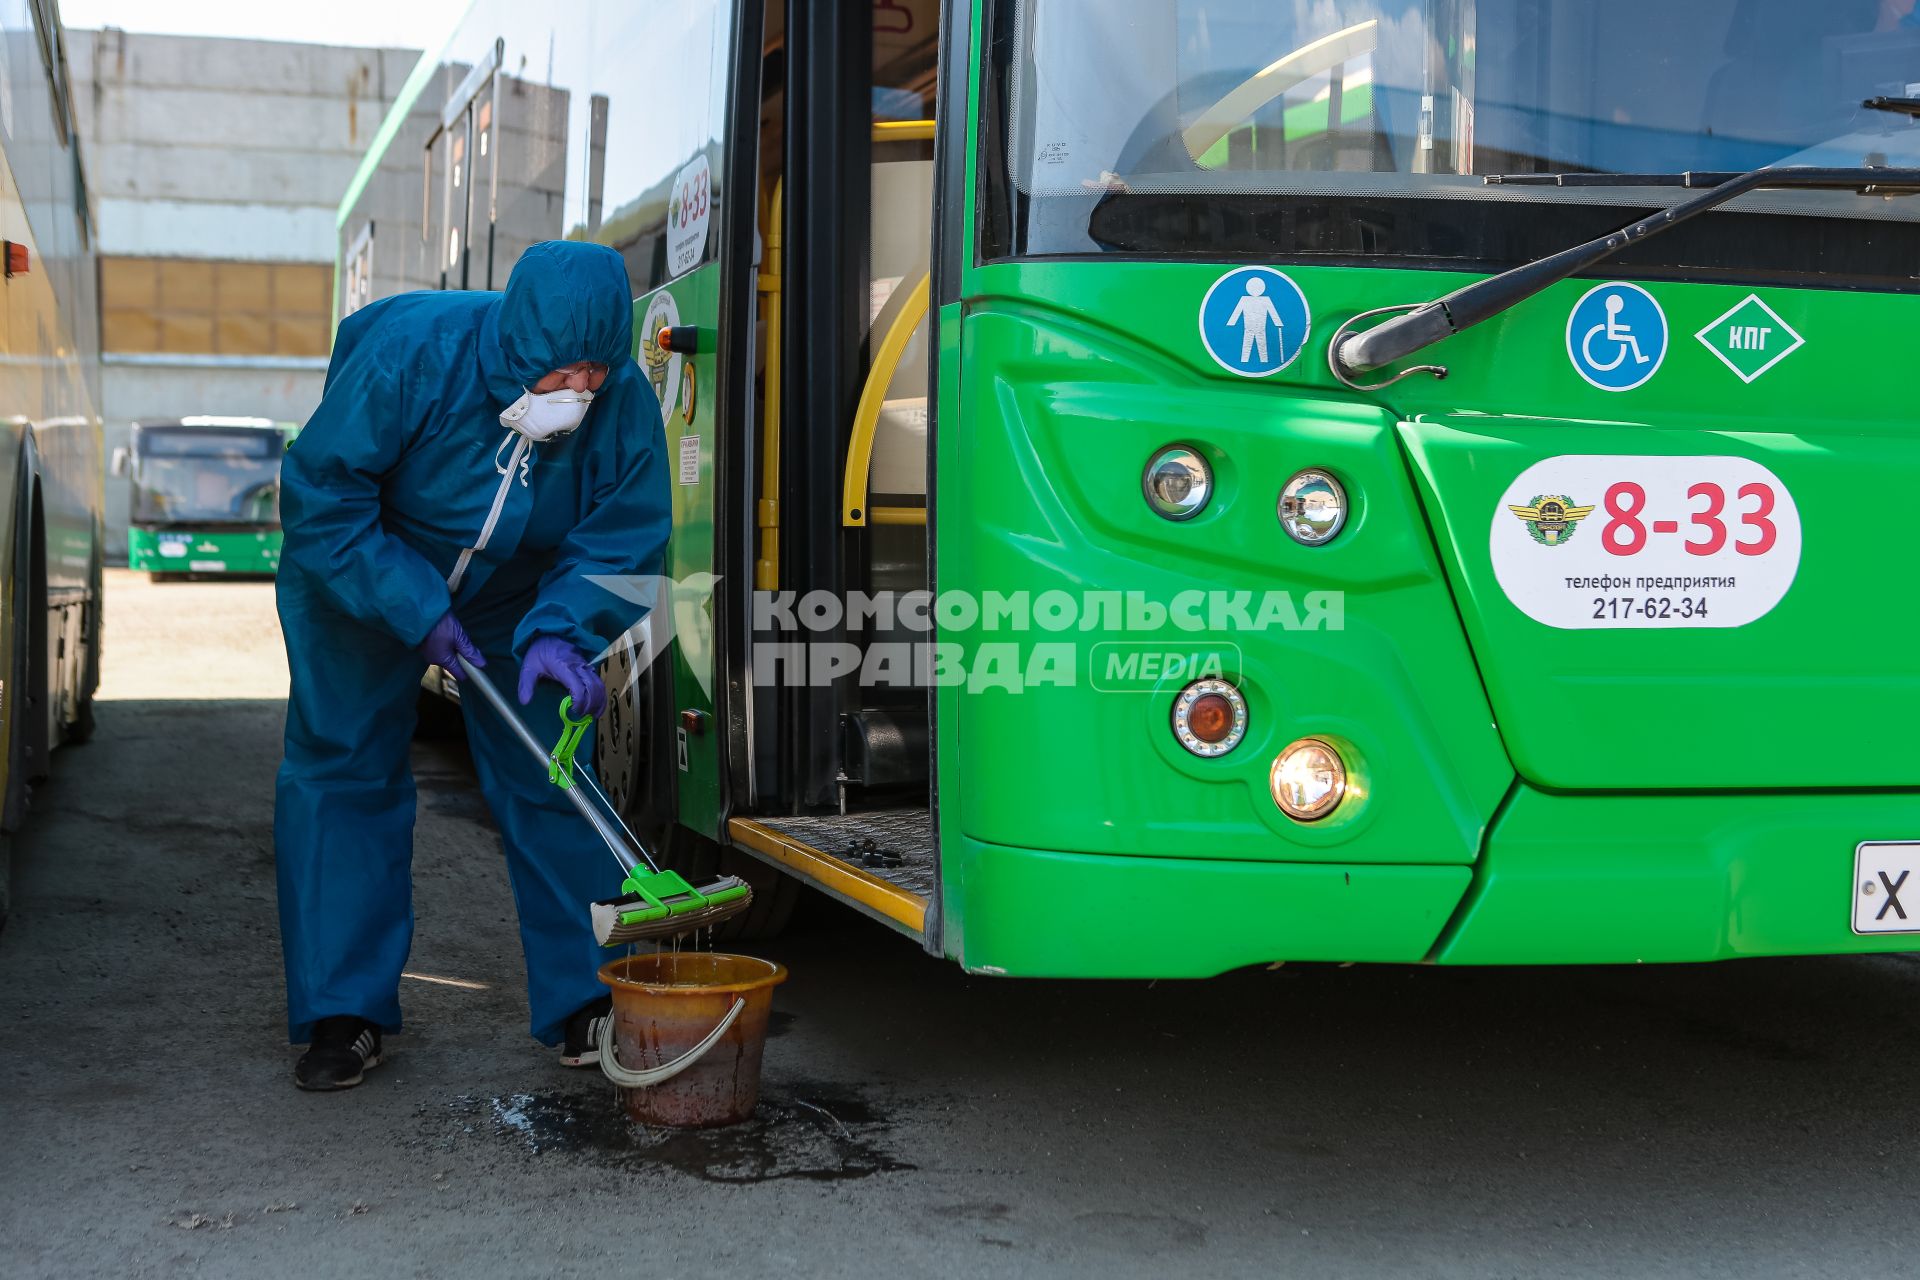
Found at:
(1551, 518)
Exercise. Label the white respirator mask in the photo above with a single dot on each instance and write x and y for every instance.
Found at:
(542, 416)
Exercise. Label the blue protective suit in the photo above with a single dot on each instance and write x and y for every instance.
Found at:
(404, 497)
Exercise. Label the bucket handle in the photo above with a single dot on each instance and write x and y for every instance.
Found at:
(627, 1078)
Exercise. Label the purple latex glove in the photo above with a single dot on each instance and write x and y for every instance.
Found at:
(551, 658)
(448, 642)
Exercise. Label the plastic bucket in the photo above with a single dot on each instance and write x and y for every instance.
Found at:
(664, 1005)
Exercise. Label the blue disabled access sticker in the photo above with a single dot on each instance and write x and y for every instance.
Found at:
(1254, 321)
(1616, 336)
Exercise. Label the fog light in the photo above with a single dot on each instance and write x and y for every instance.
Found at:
(1313, 507)
(1209, 718)
(1308, 780)
(1178, 482)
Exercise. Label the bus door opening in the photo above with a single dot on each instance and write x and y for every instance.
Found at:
(844, 246)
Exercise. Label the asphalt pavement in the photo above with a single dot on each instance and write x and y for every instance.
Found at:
(1742, 1120)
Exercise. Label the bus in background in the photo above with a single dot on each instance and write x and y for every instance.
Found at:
(52, 478)
(206, 495)
(1249, 481)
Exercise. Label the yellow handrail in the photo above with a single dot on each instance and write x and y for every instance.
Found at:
(866, 418)
(903, 131)
(766, 570)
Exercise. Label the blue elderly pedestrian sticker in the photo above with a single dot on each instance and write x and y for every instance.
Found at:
(1616, 336)
(1254, 321)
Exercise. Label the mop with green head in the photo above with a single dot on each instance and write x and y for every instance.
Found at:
(653, 903)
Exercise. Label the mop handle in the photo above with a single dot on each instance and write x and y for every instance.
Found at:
(622, 851)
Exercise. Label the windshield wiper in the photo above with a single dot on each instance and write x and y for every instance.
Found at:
(1420, 325)
(1899, 106)
(1691, 178)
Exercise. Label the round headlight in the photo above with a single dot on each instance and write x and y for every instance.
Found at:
(1178, 482)
(1308, 780)
(1313, 507)
(1209, 718)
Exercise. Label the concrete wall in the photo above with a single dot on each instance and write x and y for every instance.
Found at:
(231, 150)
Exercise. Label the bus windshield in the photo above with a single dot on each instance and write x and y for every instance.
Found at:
(199, 477)
(1365, 127)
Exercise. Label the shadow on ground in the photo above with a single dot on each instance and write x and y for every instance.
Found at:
(1740, 1119)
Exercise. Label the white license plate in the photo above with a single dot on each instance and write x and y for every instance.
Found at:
(207, 566)
(1886, 892)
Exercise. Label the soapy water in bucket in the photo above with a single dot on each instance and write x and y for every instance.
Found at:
(665, 1005)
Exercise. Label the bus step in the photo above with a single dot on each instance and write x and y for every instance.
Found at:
(879, 862)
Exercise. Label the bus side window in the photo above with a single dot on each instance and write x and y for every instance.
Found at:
(905, 68)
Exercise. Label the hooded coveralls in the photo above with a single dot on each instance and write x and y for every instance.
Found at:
(404, 497)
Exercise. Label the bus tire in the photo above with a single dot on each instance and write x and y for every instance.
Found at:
(437, 718)
(629, 745)
(775, 893)
(18, 705)
(80, 728)
(633, 756)
(6, 880)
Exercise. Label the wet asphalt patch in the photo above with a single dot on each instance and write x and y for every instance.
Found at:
(801, 1131)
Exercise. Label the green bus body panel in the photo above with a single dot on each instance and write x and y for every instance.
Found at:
(1625, 879)
(1654, 709)
(1071, 373)
(1059, 417)
(203, 551)
(689, 561)
(1032, 914)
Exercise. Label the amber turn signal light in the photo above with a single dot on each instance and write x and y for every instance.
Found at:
(1210, 718)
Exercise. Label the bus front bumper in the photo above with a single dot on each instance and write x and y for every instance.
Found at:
(203, 551)
(1601, 879)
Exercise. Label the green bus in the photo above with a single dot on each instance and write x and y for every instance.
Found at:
(52, 472)
(1170, 487)
(205, 495)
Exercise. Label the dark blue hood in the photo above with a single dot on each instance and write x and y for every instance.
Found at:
(565, 302)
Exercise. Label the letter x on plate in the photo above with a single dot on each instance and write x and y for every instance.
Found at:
(1886, 892)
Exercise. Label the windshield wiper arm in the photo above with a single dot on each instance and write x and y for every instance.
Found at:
(1423, 324)
(1899, 106)
(1691, 178)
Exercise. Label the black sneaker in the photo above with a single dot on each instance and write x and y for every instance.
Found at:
(582, 1047)
(342, 1050)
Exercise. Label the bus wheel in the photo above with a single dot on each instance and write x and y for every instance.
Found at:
(437, 718)
(633, 760)
(619, 757)
(629, 755)
(80, 728)
(775, 894)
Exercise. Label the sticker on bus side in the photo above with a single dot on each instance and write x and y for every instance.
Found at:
(1254, 321)
(661, 366)
(689, 208)
(1606, 541)
(1616, 336)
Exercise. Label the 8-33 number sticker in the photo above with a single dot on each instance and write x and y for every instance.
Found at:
(1587, 541)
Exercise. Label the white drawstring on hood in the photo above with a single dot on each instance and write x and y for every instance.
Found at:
(521, 460)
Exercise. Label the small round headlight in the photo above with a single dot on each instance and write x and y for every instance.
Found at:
(1178, 482)
(1308, 780)
(1313, 507)
(1210, 718)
